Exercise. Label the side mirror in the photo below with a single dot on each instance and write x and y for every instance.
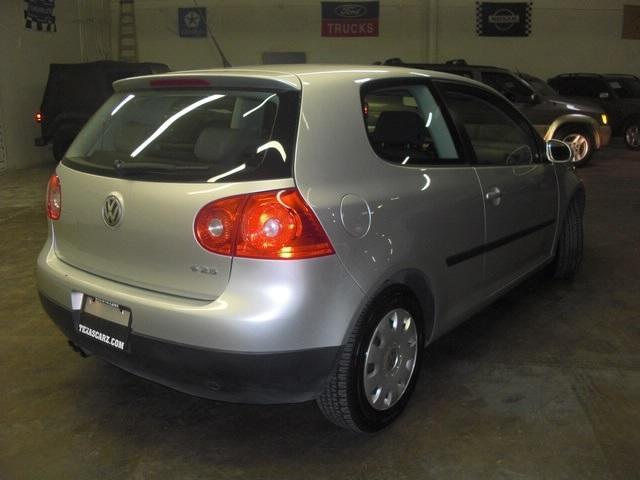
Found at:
(535, 99)
(603, 95)
(558, 151)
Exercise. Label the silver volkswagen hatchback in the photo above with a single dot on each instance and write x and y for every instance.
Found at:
(282, 234)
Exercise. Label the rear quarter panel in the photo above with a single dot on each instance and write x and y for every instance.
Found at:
(414, 216)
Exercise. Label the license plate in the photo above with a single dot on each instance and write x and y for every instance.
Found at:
(105, 322)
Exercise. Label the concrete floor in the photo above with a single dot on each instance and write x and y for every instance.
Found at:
(544, 384)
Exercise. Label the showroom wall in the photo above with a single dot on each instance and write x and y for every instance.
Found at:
(247, 28)
(82, 34)
(566, 35)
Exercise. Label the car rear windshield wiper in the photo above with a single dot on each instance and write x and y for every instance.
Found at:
(123, 167)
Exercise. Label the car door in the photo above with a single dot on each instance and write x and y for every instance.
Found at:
(519, 189)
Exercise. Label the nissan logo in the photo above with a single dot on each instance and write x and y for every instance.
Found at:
(112, 211)
(350, 10)
(503, 19)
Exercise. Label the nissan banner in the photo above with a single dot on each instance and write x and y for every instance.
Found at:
(495, 19)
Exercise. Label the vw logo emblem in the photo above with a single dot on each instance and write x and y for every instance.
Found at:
(112, 211)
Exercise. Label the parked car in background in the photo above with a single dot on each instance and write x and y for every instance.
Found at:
(617, 94)
(74, 92)
(234, 235)
(582, 126)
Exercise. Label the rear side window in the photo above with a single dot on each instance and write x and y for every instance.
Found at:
(178, 135)
(625, 87)
(405, 126)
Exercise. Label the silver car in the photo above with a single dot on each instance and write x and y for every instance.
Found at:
(282, 234)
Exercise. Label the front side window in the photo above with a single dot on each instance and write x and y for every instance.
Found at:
(496, 136)
(405, 126)
(180, 135)
(508, 85)
(583, 87)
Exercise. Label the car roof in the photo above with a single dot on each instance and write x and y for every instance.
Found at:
(451, 65)
(293, 75)
(596, 75)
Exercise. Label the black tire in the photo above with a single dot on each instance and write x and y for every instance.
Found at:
(632, 134)
(62, 141)
(343, 400)
(581, 141)
(569, 250)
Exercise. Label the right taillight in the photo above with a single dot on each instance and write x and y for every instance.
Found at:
(270, 225)
(54, 198)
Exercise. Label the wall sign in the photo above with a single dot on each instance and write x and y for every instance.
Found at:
(38, 15)
(495, 19)
(350, 19)
(192, 22)
(631, 22)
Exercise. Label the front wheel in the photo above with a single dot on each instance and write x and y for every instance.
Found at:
(378, 367)
(569, 250)
(632, 135)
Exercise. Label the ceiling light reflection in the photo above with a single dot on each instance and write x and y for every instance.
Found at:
(122, 104)
(246, 114)
(275, 145)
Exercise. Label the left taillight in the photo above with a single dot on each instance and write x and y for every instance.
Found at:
(54, 198)
(275, 225)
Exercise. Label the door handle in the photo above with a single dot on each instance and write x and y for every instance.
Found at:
(493, 195)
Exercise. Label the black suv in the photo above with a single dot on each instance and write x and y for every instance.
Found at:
(617, 94)
(75, 91)
(582, 126)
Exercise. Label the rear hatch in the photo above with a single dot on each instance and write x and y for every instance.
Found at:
(152, 156)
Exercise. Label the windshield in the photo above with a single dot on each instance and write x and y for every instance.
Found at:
(625, 87)
(540, 86)
(225, 135)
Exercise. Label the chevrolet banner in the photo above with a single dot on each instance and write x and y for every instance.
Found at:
(350, 19)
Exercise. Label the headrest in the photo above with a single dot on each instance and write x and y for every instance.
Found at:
(399, 127)
(215, 144)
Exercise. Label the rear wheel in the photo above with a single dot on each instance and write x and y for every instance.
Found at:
(632, 134)
(378, 367)
(580, 140)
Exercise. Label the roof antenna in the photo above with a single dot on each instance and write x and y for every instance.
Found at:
(225, 62)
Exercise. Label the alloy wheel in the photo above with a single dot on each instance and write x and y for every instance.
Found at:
(579, 145)
(632, 136)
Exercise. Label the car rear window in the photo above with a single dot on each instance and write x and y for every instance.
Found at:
(625, 87)
(197, 136)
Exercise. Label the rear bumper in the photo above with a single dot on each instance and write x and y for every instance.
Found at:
(277, 377)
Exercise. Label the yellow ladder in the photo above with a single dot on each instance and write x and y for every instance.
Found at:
(127, 41)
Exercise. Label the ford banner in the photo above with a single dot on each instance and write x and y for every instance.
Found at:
(350, 19)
